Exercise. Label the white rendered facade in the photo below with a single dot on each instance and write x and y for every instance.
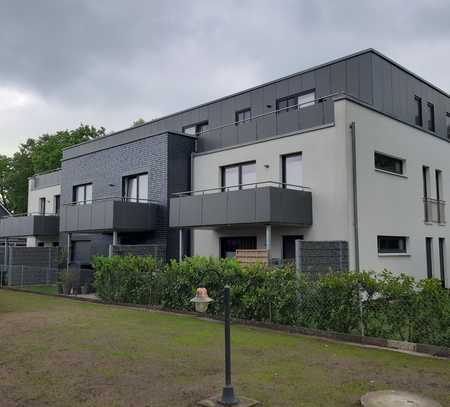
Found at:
(388, 204)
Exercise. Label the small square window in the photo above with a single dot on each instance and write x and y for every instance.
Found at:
(243, 116)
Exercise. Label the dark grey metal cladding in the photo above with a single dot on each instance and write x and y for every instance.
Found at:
(248, 206)
(367, 76)
(37, 225)
(109, 215)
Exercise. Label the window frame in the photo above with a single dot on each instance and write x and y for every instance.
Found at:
(431, 122)
(125, 179)
(197, 126)
(284, 184)
(392, 157)
(238, 122)
(42, 205)
(418, 117)
(295, 106)
(447, 122)
(85, 201)
(223, 168)
(57, 204)
(392, 252)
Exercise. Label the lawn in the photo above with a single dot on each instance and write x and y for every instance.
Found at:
(60, 352)
(42, 288)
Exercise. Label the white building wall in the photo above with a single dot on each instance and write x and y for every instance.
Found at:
(325, 171)
(393, 205)
(34, 196)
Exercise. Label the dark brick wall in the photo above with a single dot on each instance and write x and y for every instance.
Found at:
(158, 156)
(323, 256)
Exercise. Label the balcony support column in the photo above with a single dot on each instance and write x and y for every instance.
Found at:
(180, 244)
(269, 240)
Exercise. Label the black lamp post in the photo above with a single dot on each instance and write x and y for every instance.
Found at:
(228, 398)
(201, 301)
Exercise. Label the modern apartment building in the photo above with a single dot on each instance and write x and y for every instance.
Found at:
(355, 150)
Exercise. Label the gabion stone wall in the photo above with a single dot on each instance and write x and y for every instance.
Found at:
(323, 256)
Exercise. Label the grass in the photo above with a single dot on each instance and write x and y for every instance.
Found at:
(60, 352)
(42, 288)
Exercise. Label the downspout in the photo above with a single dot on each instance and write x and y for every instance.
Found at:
(355, 195)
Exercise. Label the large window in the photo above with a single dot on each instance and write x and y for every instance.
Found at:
(229, 245)
(418, 116)
(430, 110)
(135, 188)
(429, 254)
(442, 260)
(42, 206)
(295, 102)
(447, 118)
(196, 129)
(292, 171)
(243, 116)
(239, 176)
(392, 244)
(82, 194)
(57, 204)
(387, 163)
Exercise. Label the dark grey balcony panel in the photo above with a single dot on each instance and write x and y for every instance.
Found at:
(290, 206)
(108, 215)
(37, 225)
(260, 205)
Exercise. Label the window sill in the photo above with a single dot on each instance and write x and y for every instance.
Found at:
(394, 255)
(391, 173)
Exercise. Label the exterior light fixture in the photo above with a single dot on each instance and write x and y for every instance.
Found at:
(201, 300)
(227, 398)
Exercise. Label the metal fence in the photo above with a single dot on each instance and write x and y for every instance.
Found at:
(154, 250)
(21, 275)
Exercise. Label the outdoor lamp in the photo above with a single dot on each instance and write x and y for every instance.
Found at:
(201, 300)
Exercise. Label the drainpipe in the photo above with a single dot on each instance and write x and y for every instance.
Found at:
(355, 195)
(68, 252)
(180, 237)
(268, 240)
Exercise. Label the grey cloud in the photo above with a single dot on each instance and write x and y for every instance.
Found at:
(110, 61)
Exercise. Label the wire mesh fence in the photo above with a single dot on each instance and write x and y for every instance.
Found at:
(25, 276)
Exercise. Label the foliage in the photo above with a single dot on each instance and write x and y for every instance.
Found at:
(34, 156)
(139, 121)
(383, 305)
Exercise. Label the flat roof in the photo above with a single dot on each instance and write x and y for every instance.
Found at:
(334, 61)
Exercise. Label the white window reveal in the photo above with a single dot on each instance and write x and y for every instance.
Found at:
(292, 171)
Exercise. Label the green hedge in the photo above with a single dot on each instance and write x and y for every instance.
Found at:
(383, 305)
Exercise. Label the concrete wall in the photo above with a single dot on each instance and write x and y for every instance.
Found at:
(391, 204)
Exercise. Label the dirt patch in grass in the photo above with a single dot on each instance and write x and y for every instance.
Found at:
(56, 352)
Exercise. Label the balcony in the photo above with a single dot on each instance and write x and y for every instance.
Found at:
(29, 225)
(260, 203)
(109, 214)
(434, 211)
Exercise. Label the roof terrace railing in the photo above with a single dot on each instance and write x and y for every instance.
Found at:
(297, 106)
(19, 215)
(238, 187)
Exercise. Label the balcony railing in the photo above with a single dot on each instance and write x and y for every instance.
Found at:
(266, 202)
(434, 211)
(110, 214)
(29, 224)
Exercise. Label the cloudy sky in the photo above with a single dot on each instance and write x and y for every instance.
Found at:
(109, 62)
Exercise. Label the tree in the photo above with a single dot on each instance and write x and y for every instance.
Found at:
(5, 171)
(47, 152)
(138, 122)
(35, 156)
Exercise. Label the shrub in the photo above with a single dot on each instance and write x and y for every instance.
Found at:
(384, 305)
